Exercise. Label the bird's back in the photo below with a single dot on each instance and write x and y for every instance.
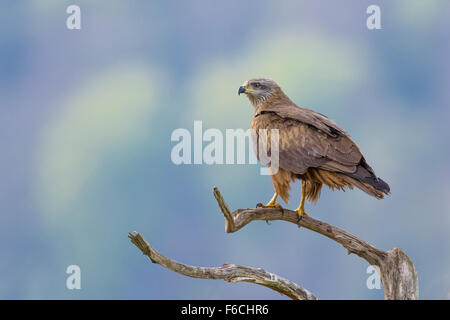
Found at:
(320, 154)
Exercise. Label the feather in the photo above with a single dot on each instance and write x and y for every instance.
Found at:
(313, 148)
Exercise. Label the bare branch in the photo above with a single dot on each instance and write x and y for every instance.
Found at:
(398, 274)
(227, 272)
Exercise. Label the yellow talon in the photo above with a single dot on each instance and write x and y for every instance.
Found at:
(301, 212)
(271, 204)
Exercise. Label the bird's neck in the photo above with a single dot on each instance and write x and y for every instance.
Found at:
(276, 97)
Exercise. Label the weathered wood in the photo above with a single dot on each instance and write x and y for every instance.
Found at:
(227, 272)
(397, 272)
(398, 275)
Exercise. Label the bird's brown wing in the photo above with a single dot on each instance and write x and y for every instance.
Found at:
(303, 145)
(307, 116)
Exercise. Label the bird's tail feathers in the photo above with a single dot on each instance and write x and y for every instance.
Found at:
(373, 186)
(365, 179)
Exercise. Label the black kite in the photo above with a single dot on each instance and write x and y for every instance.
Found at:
(312, 148)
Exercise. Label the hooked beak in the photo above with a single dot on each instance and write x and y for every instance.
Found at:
(241, 90)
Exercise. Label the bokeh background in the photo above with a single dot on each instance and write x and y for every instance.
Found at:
(86, 118)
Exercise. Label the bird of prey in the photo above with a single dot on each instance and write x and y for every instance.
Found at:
(312, 148)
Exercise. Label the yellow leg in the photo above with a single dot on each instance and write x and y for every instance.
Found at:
(301, 208)
(272, 203)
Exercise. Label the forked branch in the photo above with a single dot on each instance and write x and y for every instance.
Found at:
(398, 275)
(397, 272)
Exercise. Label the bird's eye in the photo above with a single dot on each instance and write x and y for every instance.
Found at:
(256, 85)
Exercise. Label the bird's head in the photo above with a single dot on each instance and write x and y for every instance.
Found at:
(258, 89)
